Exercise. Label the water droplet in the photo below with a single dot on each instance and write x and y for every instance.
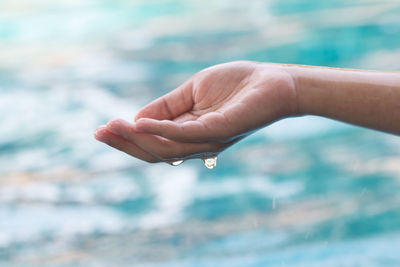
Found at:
(210, 162)
(176, 163)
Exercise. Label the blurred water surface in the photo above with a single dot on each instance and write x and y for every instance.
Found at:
(302, 192)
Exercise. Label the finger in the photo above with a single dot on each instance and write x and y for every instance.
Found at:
(118, 142)
(210, 127)
(163, 148)
(170, 105)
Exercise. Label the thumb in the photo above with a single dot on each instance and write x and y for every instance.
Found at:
(169, 106)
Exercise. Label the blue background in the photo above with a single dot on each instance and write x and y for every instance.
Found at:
(302, 192)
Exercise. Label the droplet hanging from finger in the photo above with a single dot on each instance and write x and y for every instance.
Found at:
(176, 163)
(210, 162)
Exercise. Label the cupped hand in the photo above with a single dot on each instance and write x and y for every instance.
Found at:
(211, 111)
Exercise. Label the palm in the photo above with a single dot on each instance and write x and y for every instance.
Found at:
(214, 91)
(227, 96)
(208, 113)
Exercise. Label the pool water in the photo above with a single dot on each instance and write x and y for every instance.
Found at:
(302, 192)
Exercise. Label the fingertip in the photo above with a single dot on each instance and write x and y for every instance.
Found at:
(114, 122)
(115, 125)
(99, 133)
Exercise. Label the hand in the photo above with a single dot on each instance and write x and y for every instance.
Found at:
(211, 111)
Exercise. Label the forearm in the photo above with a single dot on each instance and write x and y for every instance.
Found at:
(366, 98)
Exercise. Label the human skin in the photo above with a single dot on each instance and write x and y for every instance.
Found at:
(224, 103)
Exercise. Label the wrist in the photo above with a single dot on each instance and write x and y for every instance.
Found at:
(306, 87)
(283, 81)
(290, 86)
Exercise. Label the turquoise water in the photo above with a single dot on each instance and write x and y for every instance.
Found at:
(302, 192)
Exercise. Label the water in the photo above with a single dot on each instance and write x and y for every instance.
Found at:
(313, 193)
